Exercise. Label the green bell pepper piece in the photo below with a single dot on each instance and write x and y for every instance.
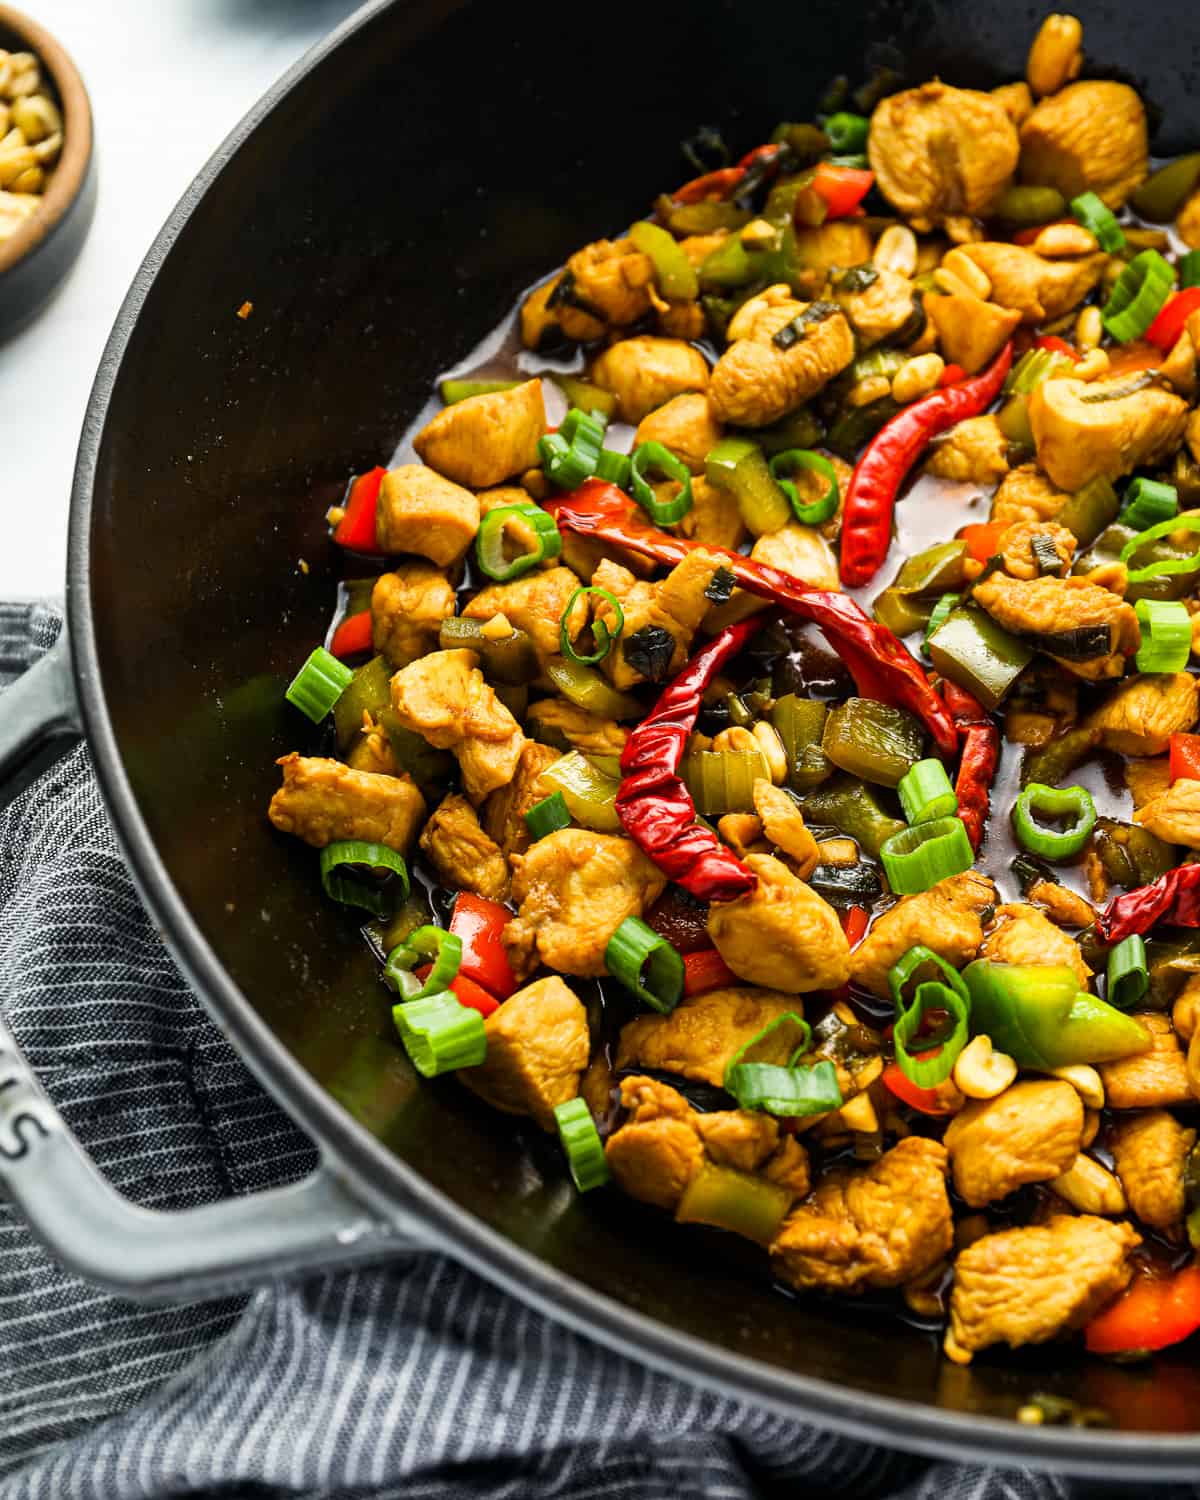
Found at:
(799, 429)
(1038, 1015)
(1026, 206)
(901, 612)
(737, 466)
(973, 651)
(369, 690)
(938, 570)
(1056, 760)
(1164, 192)
(1090, 510)
(800, 723)
(850, 807)
(872, 740)
(1131, 856)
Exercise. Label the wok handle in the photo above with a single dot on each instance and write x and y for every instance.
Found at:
(39, 720)
(146, 1255)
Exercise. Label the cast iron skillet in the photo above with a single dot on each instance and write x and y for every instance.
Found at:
(382, 208)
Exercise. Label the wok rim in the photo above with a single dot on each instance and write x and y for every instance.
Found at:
(384, 1177)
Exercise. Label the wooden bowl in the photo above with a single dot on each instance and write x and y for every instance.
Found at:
(34, 260)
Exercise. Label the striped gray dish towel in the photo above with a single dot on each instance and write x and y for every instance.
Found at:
(412, 1380)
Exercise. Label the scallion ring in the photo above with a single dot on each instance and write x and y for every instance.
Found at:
(1137, 297)
(790, 1092)
(426, 944)
(440, 1034)
(581, 1142)
(815, 512)
(1038, 799)
(1128, 973)
(1189, 270)
(926, 793)
(646, 964)
(1166, 635)
(570, 455)
(605, 637)
(651, 458)
(1095, 215)
(548, 816)
(1188, 520)
(613, 467)
(783, 1040)
(490, 541)
(931, 995)
(916, 858)
(351, 892)
(318, 684)
(1148, 502)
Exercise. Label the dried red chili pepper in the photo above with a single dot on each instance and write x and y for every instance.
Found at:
(980, 756)
(1174, 898)
(891, 453)
(881, 666)
(725, 180)
(655, 807)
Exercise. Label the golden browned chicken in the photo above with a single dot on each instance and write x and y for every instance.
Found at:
(703, 1033)
(323, 801)
(462, 855)
(1087, 430)
(781, 934)
(686, 425)
(1140, 716)
(537, 1048)
(761, 377)
(1154, 1079)
(1028, 283)
(485, 439)
(408, 606)
(1031, 1132)
(420, 511)
(1174, 814)
(1025, 494)
(660, 618)
(972, 452)
(1057, 607)
(537, 604)
(1089, 137)
(646, 372)
(944, 918)
(1023, 935)
(1150, 1151)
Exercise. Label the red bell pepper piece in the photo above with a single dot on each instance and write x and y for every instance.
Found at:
(1151, 1313)
(353, 635)
(978, 762)
(1176, 310)
(356, 530)
(891, 453)
(951, 375)
(479, 923)
(655, 807)
(467, 991)
(1185, 757)
(982, 538)
(882, 667)
(927, 1101)
(1174, 898)
(855, 921)
(706, 970)
(842, 188)
(1055, 345)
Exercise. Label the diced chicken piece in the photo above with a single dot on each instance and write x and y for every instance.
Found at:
(537, 1047)
(419, 511)
(880, 309)
(323, 802)
(1028, 283)
(1064, 907)
(1016, 101)
(486, 439)
(1016, 547)
(544, 314)
(1147, 779)
(1179, 367)
(1025, 1286)
(737, 1138)
(801, 551)
(974, 451)
(1089, 137)
(676, 605)
(535, 604)
(504, 811)
(1150, 1151)
(876, 1227)
(1025, 494)
(1188, 222)
(1140, 716)
(1193, 435)
(714, 518)
(1174, 814)
(1088, 429)
(755, 381)
(685, 425)
(613, 279)
(646, 372)
(944, 918)
(835, 244)
(462, 855)
(1030, 1133)
(583, 731)
(783, 823)
(1058, 607)
(940, 152)
(574, 889)
(407, 609)
(701, 1035)
(781, 934)
(1156, 1079)
(971, 333)
(1023, 935)
(443, 697)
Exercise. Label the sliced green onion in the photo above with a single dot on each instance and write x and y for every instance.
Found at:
(318, 684)
(1128, 973)
(653, 457)
(1147, 502)
(1053, 802)
(816, 512)
(928, 1072)
(915, 966)
(1096, 216)
(454, 391)
(646, 964)
(847, 133)
(812, 1090)
(916, 858)
(787, 1037)
(674, 274)
(926, 793)
(605, 638)
(1189, 270)
(942, 611)
(1033, 368)
(570, 455)
(614, 467)
(489, 543)
(1137, 298)
(1166, 635)
(440, 1034)
(426, 944)
(350, 892)
(581, 1141)
(1188, 520)
(547, 816)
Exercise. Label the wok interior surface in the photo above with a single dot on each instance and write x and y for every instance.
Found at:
(385, 214)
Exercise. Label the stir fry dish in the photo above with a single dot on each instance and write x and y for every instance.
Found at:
(757, 726)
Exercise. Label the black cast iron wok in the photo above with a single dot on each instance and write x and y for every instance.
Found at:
(382, 208)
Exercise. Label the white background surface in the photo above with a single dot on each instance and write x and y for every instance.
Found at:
(168, 79)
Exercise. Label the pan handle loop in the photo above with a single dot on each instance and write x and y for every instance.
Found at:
(147, 1255)
(39, 721)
